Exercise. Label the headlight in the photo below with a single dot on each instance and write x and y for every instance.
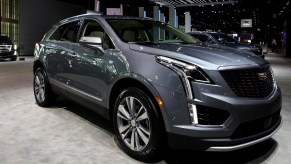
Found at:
(193, 72)
(186, 71)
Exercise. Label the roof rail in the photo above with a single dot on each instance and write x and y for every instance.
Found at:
(90, 13)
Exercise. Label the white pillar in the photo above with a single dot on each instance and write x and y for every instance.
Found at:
(156, 13)
(97, 6)
(141, 12)
(187, 22)
(162, 32)
(157, 18)
(172, 16)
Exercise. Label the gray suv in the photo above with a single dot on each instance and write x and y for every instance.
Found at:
(158, 85)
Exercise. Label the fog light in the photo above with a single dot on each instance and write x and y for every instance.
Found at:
(193, 113)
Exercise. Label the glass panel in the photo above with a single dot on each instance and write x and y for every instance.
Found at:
(9, 19)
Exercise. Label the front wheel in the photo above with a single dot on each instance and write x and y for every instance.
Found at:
(138, 125)
(42, 92)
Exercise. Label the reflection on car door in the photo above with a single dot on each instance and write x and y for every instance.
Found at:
(92, 74)
(62, 61)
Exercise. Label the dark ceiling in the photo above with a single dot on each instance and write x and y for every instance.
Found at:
(266, 14)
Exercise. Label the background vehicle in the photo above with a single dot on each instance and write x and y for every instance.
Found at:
(157, 85)
(221, 39)
(7, 49)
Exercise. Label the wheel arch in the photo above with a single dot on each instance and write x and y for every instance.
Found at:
(37, 64)
(126, 82)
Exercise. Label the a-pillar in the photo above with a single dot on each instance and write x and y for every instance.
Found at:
(141, 12)
(173, 19)
(187, 22)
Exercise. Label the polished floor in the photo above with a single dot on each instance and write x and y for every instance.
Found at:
(68, 133)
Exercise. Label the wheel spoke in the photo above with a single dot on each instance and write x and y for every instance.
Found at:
(130, 104)
(122, 110)
(38, 95)
(136, 138)
(37, 80)
(121, 116)
(147, 132)
(126, 133)
(142, 117)
(42, 94)
(124, 128)
(140, 109)
(36, 89)
(132, 140)
(142, 136)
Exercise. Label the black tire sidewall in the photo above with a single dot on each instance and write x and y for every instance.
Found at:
(152, 151)
(48, 96)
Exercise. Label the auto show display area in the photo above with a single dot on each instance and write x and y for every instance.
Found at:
(69, 133)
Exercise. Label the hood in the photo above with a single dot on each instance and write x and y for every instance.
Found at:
(202, 56)
(243, 46)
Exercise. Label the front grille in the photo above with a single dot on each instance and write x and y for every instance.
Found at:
(250, 83)
(5, 48)
(256, 126)
(211, 116)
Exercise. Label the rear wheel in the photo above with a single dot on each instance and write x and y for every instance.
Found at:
(138, 125)
(42, 92)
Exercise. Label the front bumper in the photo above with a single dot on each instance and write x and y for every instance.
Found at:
(178, 141)
(8, 55)
(251, 120)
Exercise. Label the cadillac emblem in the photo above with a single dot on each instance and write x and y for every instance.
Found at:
(262, 76)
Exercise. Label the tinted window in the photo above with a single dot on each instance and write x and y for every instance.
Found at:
(202, 38)
(66, 32)
(224, 39)
(94, 29)
(5, 39)
(141, 31)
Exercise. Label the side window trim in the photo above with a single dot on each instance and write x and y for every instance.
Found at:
(57, 27)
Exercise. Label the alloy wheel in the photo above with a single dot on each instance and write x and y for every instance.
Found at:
(39, 87)
(133, 123)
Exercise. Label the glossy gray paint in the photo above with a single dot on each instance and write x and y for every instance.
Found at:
(90, 73)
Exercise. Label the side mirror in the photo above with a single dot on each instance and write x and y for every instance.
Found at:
(91, 40)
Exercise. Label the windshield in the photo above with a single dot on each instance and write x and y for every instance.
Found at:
(4, 39)
(148, 31)
(223, 39)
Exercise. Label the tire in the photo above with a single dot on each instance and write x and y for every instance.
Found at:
(140, 131)
(13, 59)
(42, 91)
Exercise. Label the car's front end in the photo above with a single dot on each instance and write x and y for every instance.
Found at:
(232, 108)
(213, 98)
(219, 107)
(7, 49)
